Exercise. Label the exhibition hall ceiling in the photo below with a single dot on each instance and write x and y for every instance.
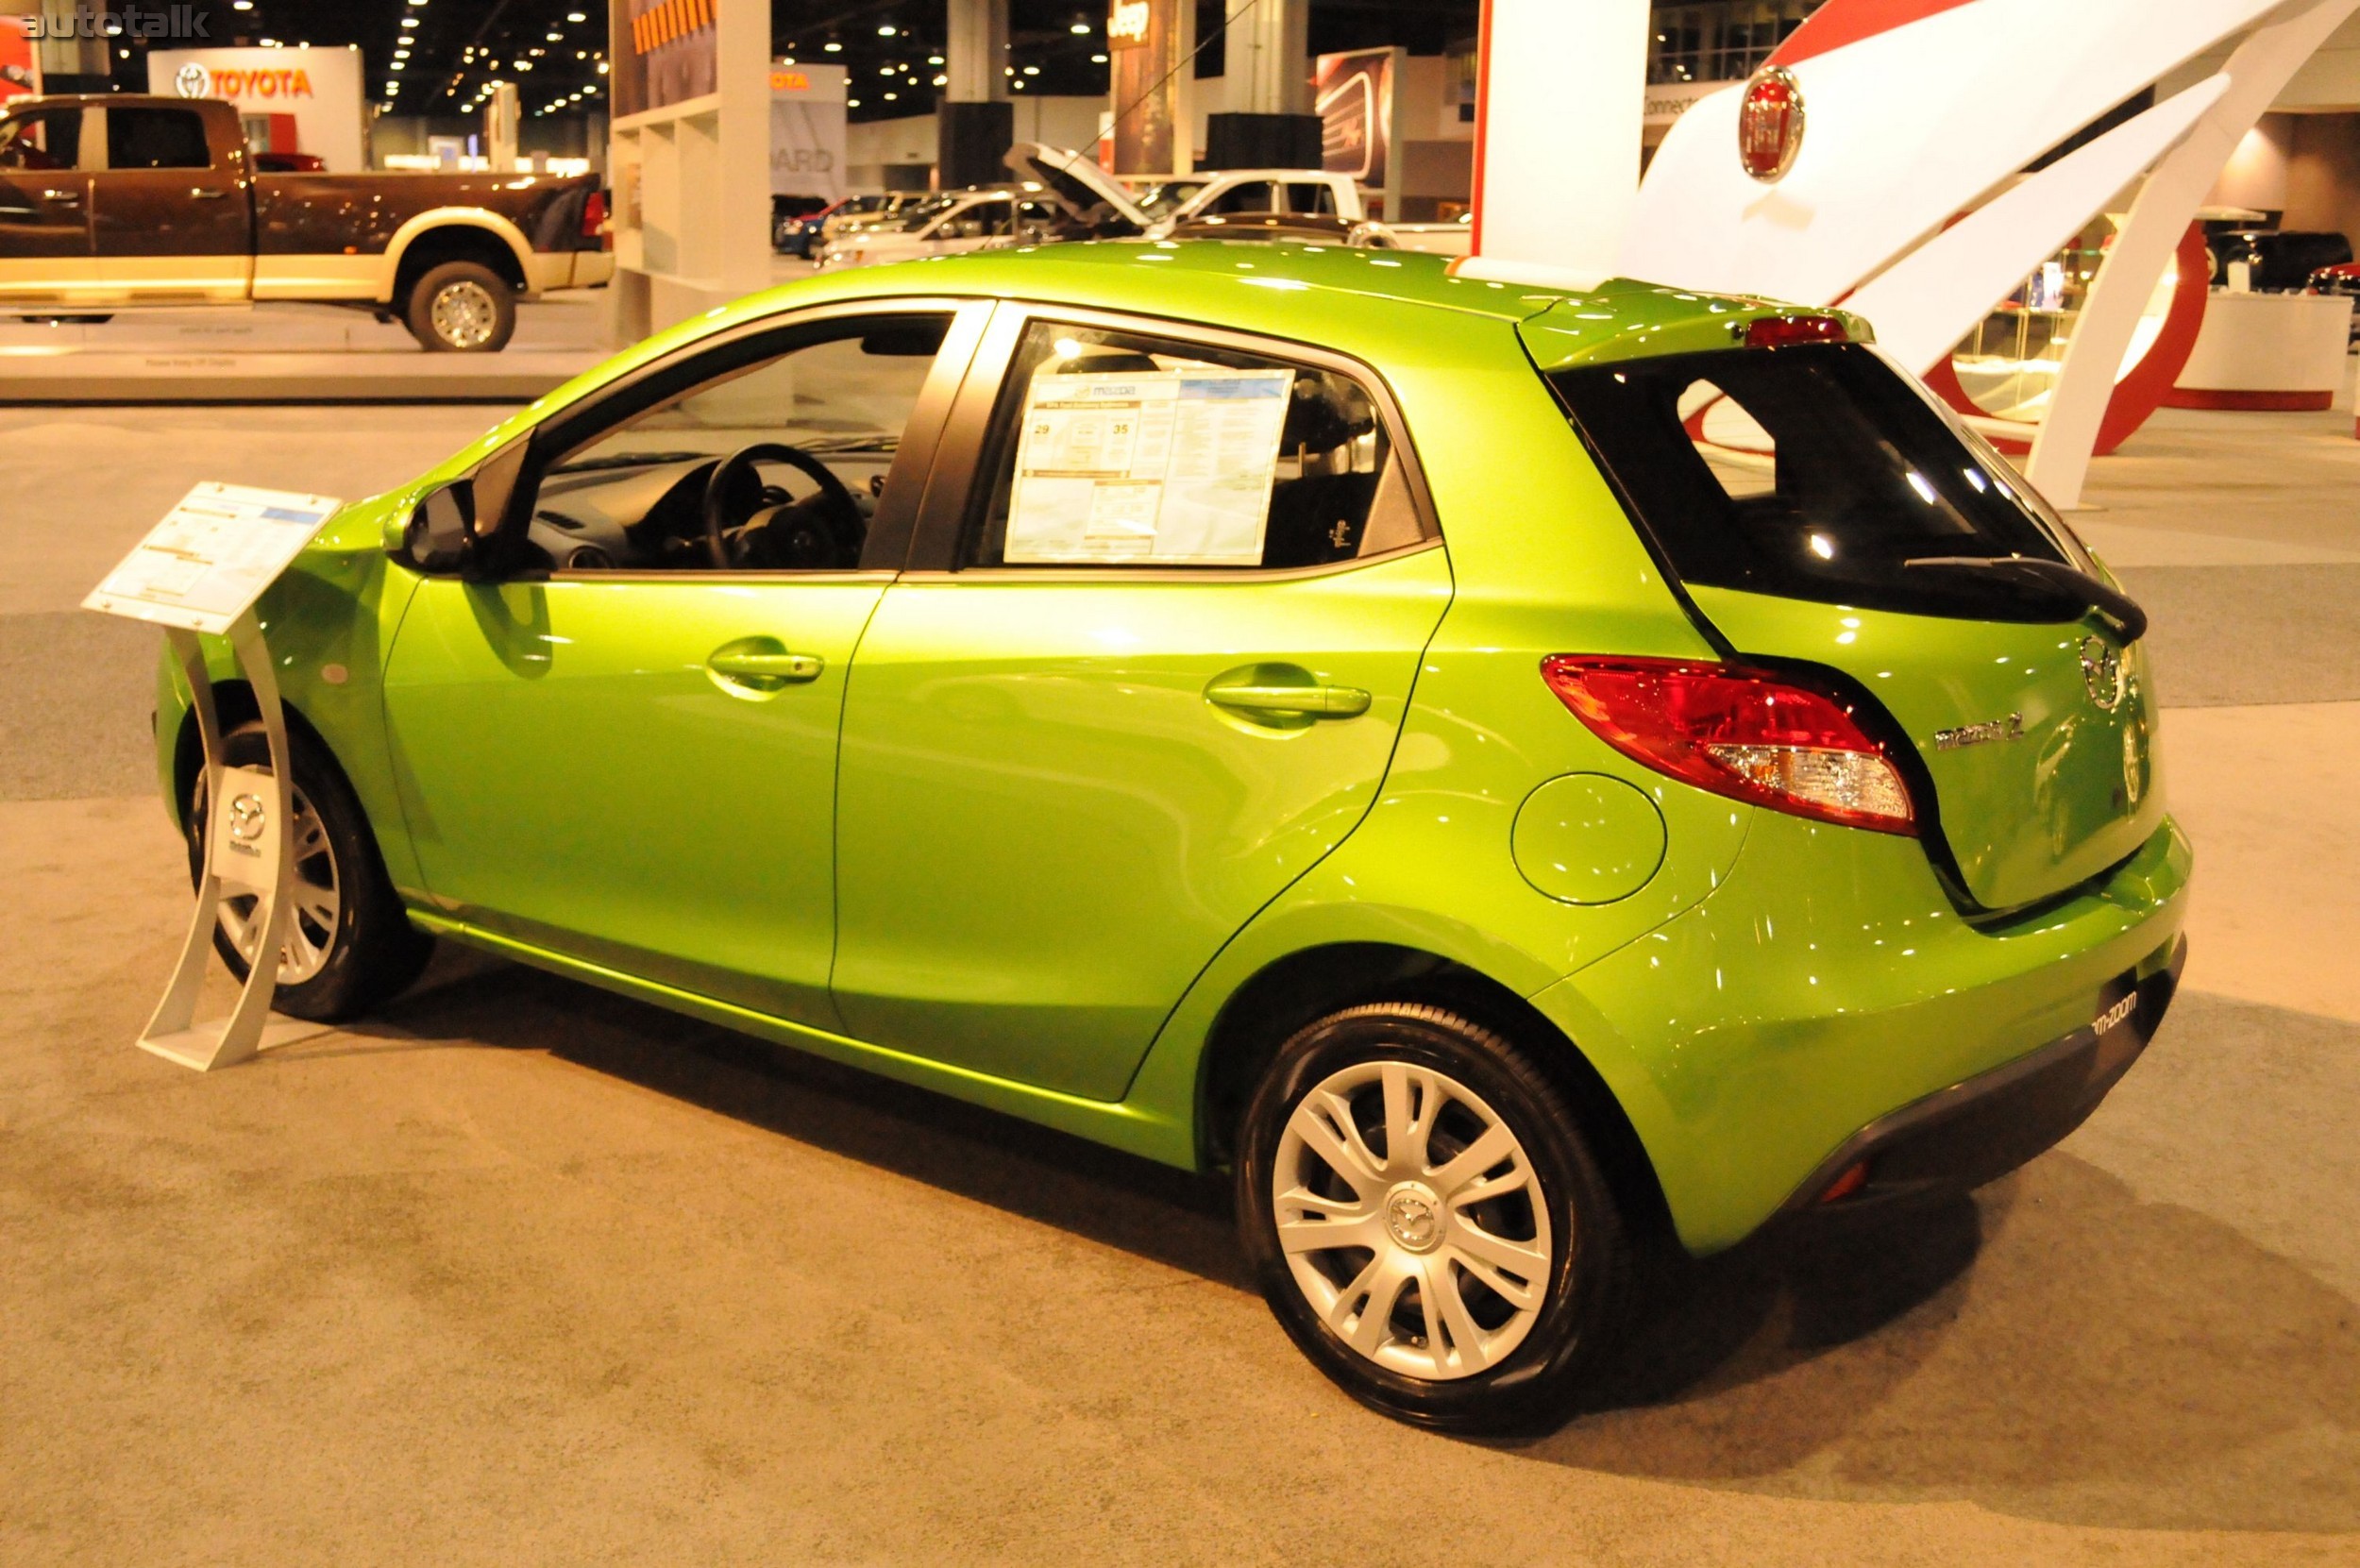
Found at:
(440, 56)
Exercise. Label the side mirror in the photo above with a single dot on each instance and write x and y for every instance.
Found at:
(440, 535)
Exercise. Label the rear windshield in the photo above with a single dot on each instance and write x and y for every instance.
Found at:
(1812, 472)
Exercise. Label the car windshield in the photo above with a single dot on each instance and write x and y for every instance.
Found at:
(1816, 472)
(927, 211)
(1162, 200)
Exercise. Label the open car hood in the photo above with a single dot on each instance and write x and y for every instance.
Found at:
(1088, 193)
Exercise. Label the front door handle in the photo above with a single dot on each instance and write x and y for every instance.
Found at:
(63, 198)
(760, 665)
(1288, 701)
(206, 193)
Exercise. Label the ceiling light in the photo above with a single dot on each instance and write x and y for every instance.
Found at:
(1032, 70)
(1081, 27)
(852, 103)
(1098, 59)
(942, 81)
(409, 21)
(891, 96)
(885, 31)
(934, 59)
(401, 65)
(832, 47)
(576, 16)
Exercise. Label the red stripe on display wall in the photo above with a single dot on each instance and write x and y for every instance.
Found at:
(1842, 21)
(1483, 118)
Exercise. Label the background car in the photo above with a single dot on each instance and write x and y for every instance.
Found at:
(1272, 227)
(2344, 279)
(974, 219)
(792, 223)
(1522, 782)
(2283, 262)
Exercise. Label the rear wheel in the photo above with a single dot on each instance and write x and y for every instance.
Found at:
(348, 946)
(1428, 1223)
(462, 308)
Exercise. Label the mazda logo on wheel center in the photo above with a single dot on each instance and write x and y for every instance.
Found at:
(248, 817)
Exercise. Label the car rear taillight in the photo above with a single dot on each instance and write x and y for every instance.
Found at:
(594, 217)
(1747, 734)
(1782, 331)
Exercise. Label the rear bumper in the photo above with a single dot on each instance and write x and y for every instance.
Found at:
(1974, 1132)
(1827, 996)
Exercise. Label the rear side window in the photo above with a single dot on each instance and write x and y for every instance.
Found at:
(1113, 448)
(1814, 472)
(156, 139)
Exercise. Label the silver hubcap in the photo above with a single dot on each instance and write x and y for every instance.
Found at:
(318, 902)
(464, 314)
(1411, 1220)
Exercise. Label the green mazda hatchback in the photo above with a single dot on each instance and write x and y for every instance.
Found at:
(1511, 776)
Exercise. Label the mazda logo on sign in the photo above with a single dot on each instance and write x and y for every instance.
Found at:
(1770, 124)
(192, 81)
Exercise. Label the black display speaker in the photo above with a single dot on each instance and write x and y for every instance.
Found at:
(974, 141)
(1262, 141)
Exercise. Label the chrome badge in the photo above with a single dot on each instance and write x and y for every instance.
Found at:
(2010, 728)
(247, 818)
(2103, 673)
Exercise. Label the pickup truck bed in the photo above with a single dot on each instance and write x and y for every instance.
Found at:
(120, 200)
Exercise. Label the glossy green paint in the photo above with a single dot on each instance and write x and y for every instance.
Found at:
(1047, 824)
(575, 774)
(1013, 787)
(1587, 839)
(1829, 983)
(2066, 793)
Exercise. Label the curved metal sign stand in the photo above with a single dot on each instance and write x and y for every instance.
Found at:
(200, 570)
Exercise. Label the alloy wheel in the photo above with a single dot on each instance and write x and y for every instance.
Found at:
(1412, 1220)
(464, 314)
(317, 894)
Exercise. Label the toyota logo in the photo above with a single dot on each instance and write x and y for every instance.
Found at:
(1770, 124)
(192, 81)
(248, 817)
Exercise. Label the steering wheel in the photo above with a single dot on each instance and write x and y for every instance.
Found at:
(844, 518)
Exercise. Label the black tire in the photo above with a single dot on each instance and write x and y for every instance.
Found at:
(467, 291)
(1538, 1380)
(373, 952)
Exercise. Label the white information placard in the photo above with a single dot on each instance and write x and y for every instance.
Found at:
(205, 564)
(1170, 466)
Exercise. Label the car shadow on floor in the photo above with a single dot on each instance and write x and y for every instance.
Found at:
(1152, 1210)
(2053, 1348)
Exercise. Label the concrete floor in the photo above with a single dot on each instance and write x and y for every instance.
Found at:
(521, 1273)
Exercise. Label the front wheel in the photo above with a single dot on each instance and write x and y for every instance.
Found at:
(462, 308)
(349, 945)
(1428, 1222)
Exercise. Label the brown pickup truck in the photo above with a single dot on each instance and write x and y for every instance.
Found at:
(116, 201)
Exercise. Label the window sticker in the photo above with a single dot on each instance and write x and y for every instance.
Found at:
(1161, 466)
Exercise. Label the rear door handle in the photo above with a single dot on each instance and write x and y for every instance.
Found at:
(63, 198)
(206, 193)
(1315, 702)
(762, 664)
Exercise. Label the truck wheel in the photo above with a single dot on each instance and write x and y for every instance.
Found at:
(462, 308)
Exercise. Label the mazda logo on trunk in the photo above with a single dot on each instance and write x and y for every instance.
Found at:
(2102, 672)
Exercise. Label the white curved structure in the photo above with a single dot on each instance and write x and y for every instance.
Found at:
(1921, 109)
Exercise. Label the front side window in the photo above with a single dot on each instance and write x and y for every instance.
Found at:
(1812, 472)
(156, 139)
(1112, 449)
(44, 139)
(776, 464)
